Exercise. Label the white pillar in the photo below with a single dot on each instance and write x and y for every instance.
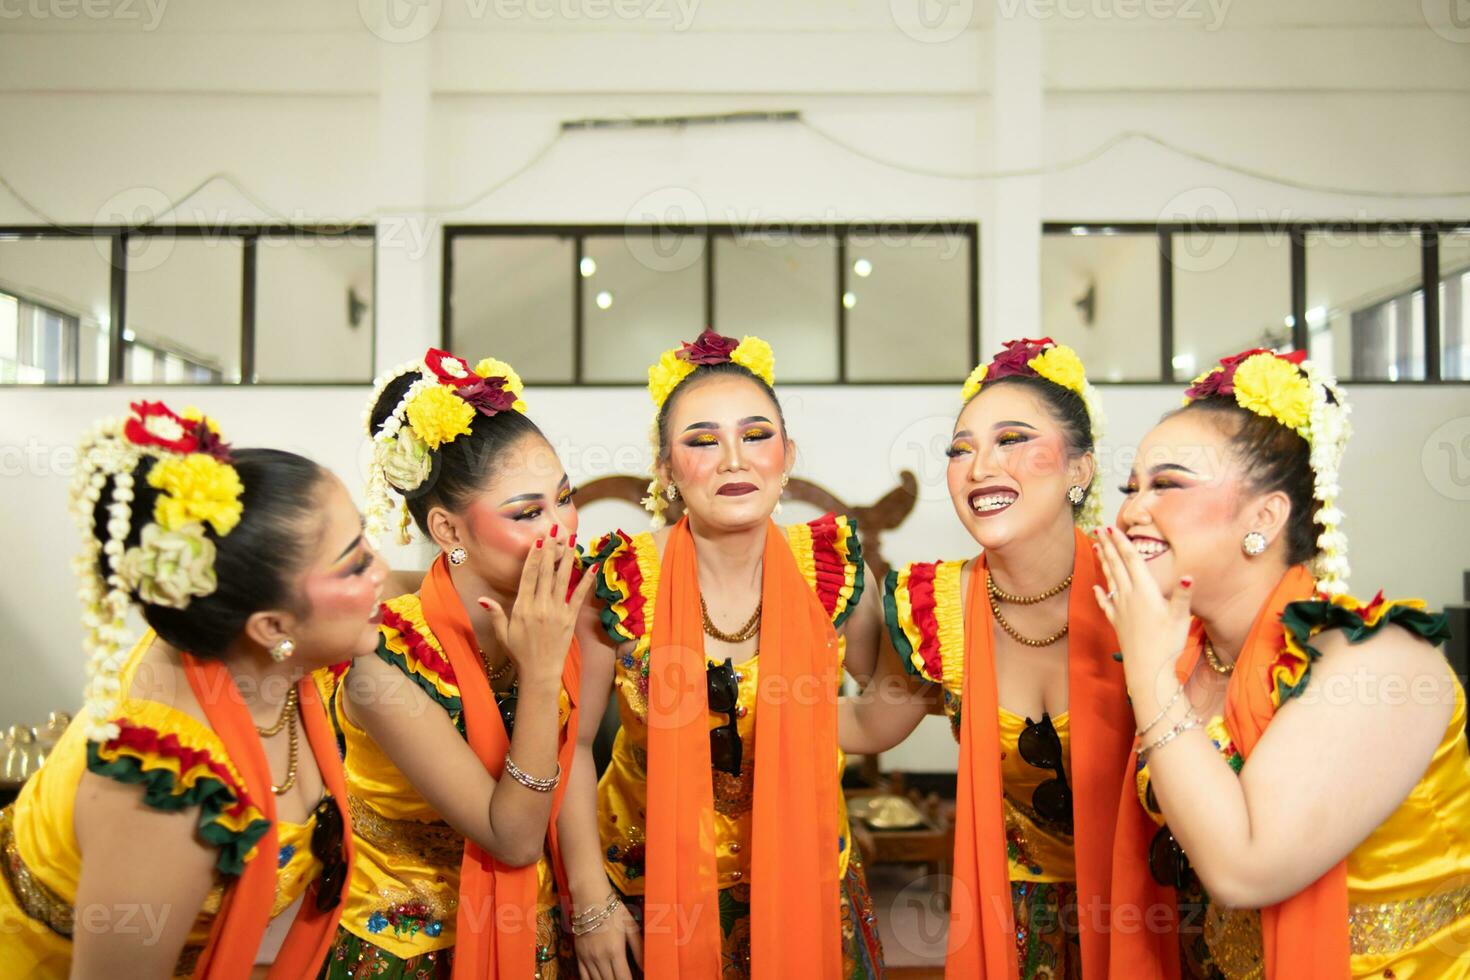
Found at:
(1010, 249)
(408, 279)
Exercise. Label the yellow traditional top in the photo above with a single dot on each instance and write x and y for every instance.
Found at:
(829, 555)
(403, 892)
(178, 763)
(924, 607)
(1409, 881)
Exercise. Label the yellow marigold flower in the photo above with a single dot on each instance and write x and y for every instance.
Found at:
(665, 376)
(492, 368)
(195, 415)
(974, 381)
(756, 356)
(1060, 365)
(196, 488)
(437, 415)
(1269, 386)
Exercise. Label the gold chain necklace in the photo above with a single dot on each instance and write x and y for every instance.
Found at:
(287, 719)
(997, 594)
(1211, 658)
(751, 627)
(498, 672)
(1026, 600)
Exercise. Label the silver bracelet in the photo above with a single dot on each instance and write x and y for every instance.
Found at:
(1188, 723)
(531, 782)
(589, 921)
(1160, 717)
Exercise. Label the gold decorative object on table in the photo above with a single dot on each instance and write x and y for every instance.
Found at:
(887, 812)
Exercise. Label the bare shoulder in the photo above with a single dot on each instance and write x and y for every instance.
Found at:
(160, 677)
(1393, 670)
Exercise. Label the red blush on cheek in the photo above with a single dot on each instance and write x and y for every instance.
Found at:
(1042, 456)
(341, 597)
(492, 529)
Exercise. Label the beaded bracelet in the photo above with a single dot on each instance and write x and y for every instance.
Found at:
(1160, 717)
(531, 782)
(1188, 723)
(589, 921)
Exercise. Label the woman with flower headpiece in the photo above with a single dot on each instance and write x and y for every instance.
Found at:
(1012, 646)
(721, 816)
(180, 827)
(1301, 768)
(458, 732)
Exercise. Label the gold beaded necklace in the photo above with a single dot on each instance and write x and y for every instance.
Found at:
(997, 595)
(287, 720)
(1213, 659)
(751, 628)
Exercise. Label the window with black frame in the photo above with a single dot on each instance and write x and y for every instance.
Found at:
(598, 304)
(186, 305)
(1178, 297)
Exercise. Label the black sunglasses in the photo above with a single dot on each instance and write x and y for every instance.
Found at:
(1167, 861)
(326, 847)
(507, 704)
(1041, 747)
(723, 693)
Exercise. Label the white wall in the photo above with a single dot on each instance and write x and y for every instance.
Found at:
(318, 118)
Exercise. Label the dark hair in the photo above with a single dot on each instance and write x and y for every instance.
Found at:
(1065, 406)
(253, 564)
(1275, 458)
(702, 372)
(460, 468)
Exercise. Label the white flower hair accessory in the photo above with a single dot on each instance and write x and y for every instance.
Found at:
(173, 562)
(438, 407)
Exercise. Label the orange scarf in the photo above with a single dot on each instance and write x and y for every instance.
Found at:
(982, 928)
(245, 912)
(795, 906)
(495, 930)
(1306, 936)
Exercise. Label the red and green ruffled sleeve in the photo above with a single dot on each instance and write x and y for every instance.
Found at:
(1301, 621)
(627, 584)
(925, 614)
(180, 763)
(830, 555)
(406, 642)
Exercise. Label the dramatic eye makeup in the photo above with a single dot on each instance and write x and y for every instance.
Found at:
(355, 559)
(1158, 480)
(756, 428)
(528, 506)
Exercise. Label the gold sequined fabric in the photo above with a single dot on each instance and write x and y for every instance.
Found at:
(428, 843)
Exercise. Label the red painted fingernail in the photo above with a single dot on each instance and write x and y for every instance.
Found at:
(554, 529)
(572, 541)
(1108, 529)
(1187, 581)
(484, 603)
(538, 542)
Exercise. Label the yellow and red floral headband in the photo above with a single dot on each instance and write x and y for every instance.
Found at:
(438, 408)
(1298, 394)
(677, 364)
(173, 562)
(1059, 364)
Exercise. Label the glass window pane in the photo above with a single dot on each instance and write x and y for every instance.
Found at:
(909, 318)
(1365, 304)
(513, 298)
(781, 287)
(1232, 291)
(1454, 305)
(645, 294)
(69, 278)
(314, 308)
(1100, 296)
(184, 299)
